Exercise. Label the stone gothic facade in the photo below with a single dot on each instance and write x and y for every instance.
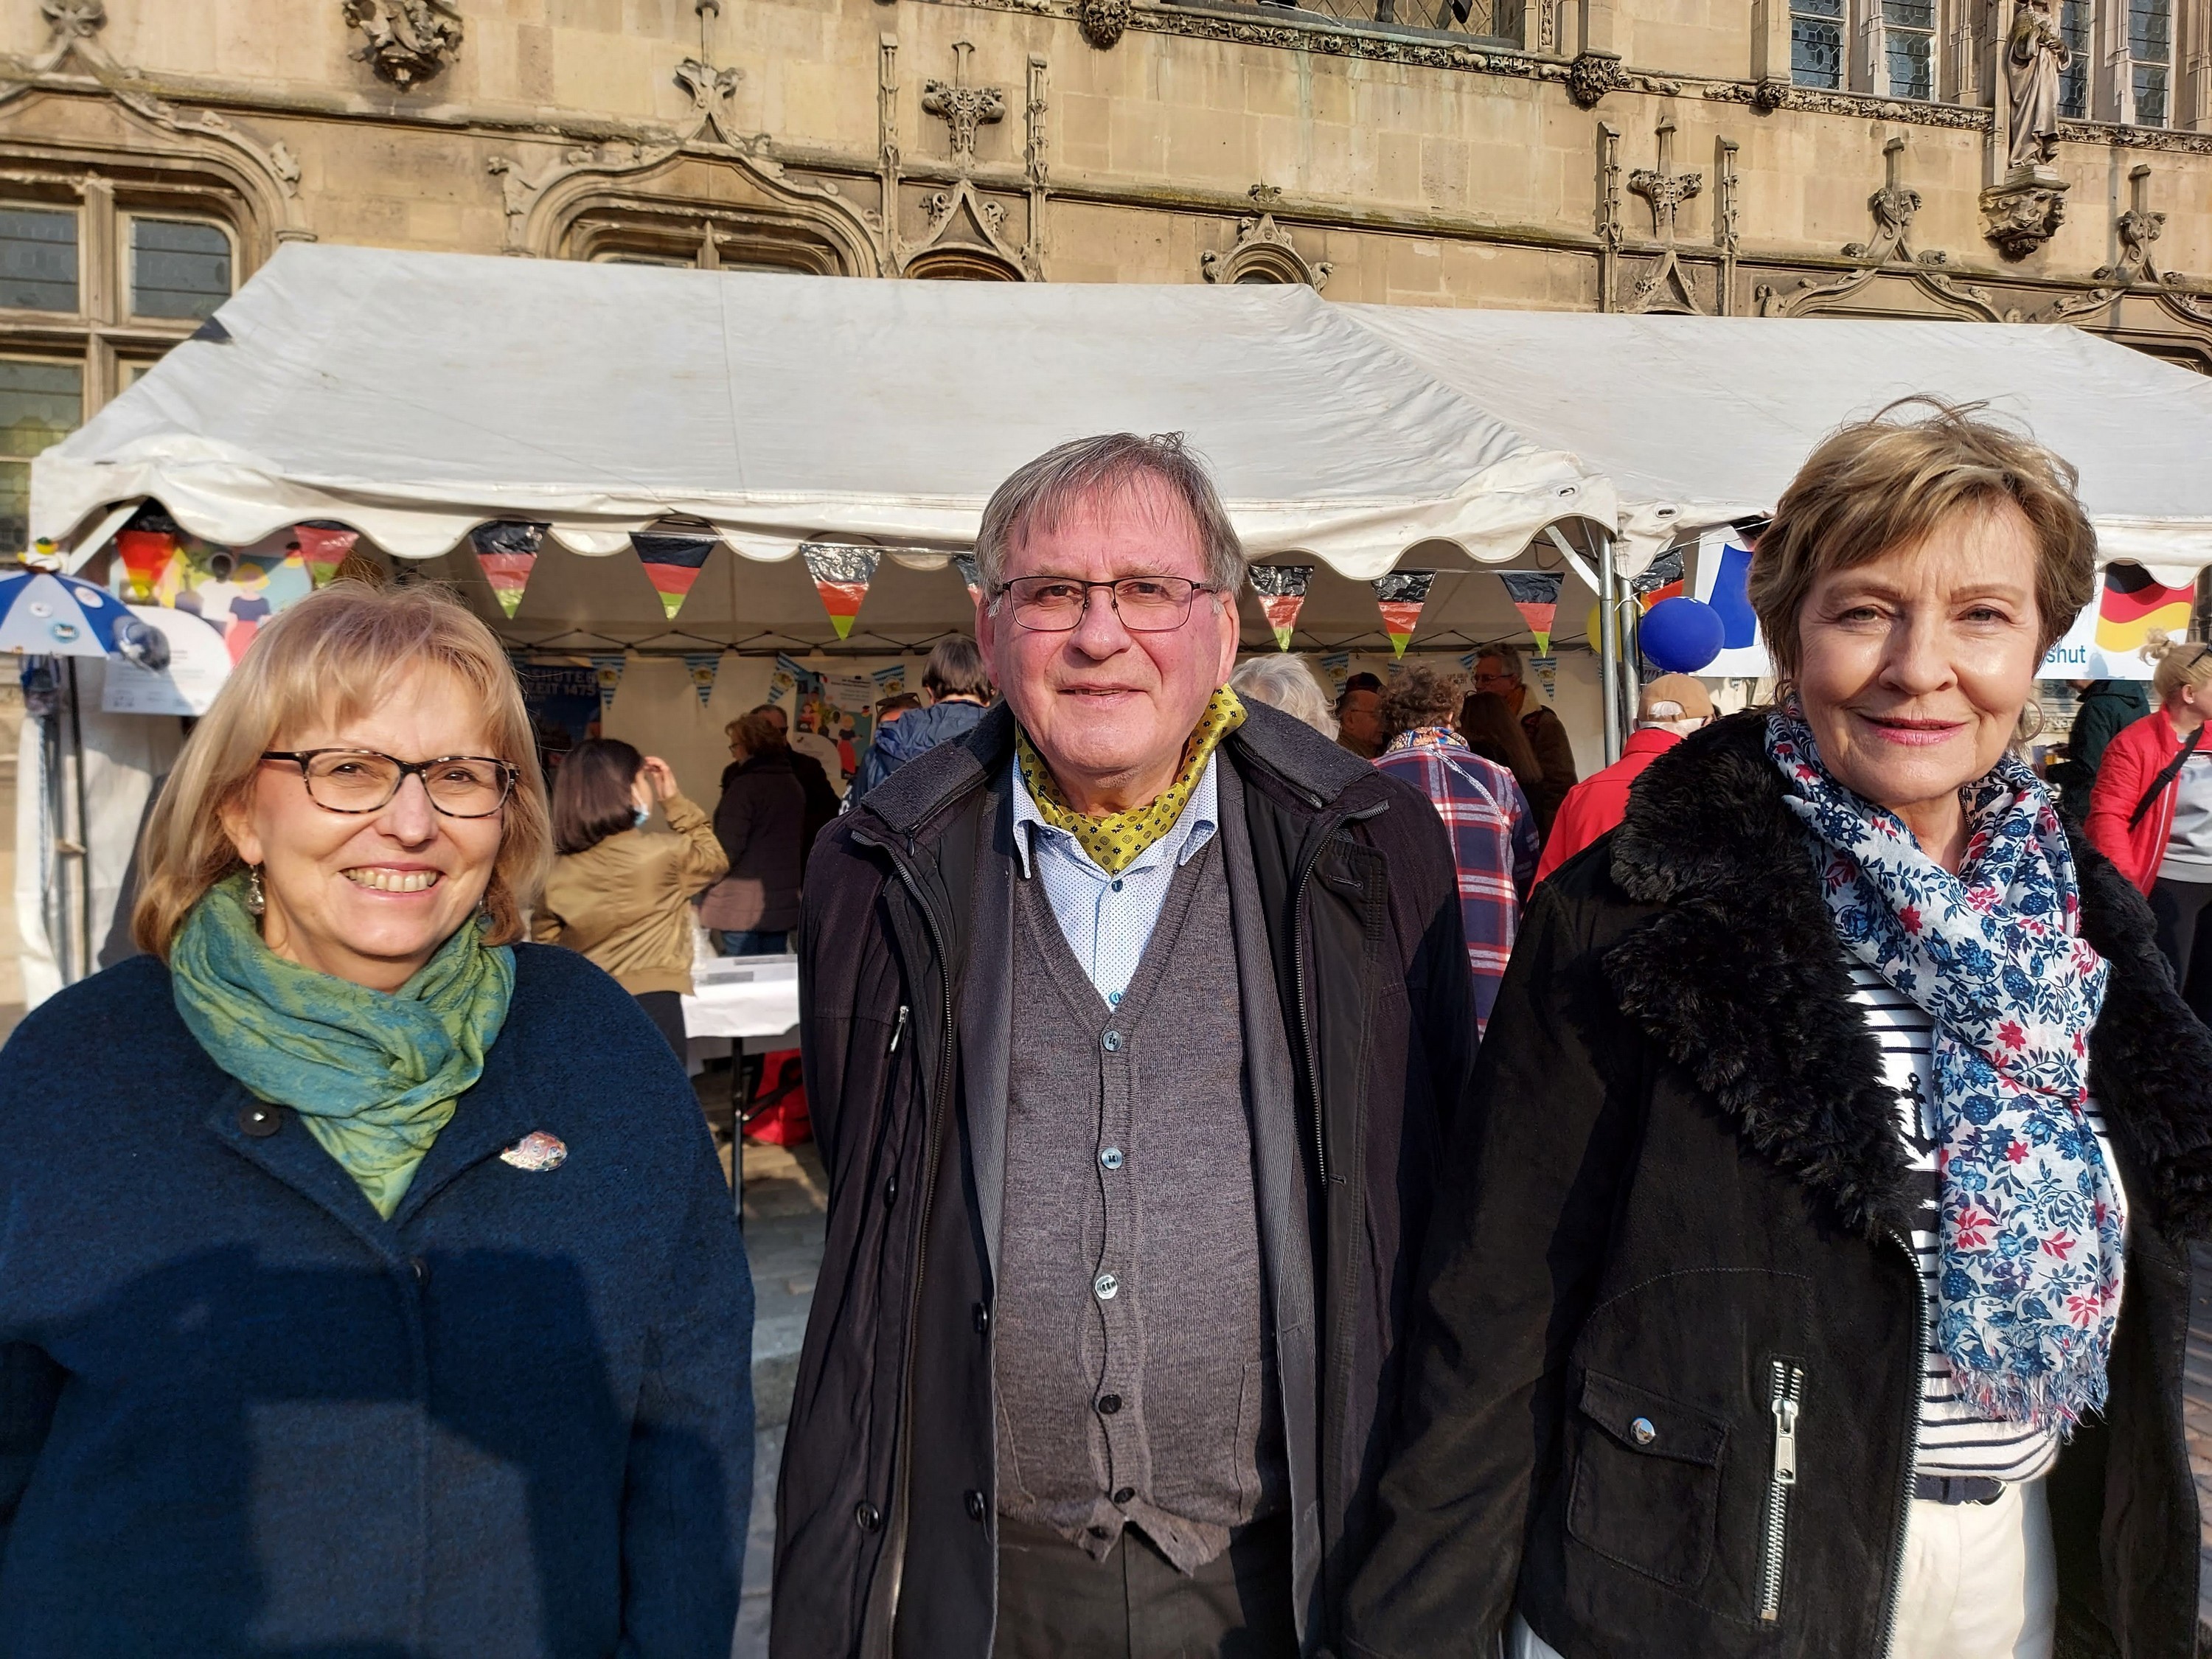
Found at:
(2004, 160)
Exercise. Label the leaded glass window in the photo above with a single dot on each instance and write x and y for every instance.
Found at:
(37, 259)
(41, 403)
(2073, 20)
(178, 268)
(2150, 58)
(1909, 45)
(1816, 43)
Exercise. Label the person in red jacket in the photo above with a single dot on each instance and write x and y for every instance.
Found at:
(2151, 811)
(1671, 708)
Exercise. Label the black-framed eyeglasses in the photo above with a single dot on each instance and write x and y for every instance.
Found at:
(363, 780)
(1145, 604)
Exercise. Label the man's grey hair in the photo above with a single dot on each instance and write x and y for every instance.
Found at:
(1040, 493)
(1508, 661)
(1286, 682)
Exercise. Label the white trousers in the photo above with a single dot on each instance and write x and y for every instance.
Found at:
(1980, 1581)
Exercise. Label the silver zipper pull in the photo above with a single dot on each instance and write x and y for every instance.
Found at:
(898, 1031)
(1786, 1443)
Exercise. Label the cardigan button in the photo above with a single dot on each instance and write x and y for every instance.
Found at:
(419, 1268)
(868, 1516)
(260, 1120)
(975, 1506)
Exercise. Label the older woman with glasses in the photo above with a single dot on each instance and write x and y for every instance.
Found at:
(1811, 1275)
(347, 1302)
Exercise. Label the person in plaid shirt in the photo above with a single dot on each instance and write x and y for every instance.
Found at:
(1493, 829)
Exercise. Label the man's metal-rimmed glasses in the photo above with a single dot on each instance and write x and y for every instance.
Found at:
(363, 780)
(1145, 604)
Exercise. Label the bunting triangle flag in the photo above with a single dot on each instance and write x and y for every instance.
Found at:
(842, 573)
(608, 670)
(1282, 591)
(672, 564)
(1401, 594)
(146, 555)
(971, 576)
(1535, 595)
(507, 551)
(2134, 604)
(702, 666)
(322, 547)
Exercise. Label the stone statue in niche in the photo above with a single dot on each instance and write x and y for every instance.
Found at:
(2034, 54)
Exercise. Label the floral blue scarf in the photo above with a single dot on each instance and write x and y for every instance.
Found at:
(2031, 1218)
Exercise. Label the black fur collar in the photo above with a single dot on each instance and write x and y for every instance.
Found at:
(1740, 981)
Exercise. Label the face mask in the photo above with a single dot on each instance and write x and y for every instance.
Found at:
(643, 815)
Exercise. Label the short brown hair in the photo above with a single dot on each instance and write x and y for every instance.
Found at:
(955, 669)
(592, 797)
(1420, 695)
(757, 731)
(336, 654)
(1882, 483)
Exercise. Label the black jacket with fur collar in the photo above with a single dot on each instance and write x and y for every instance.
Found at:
(1681, 1168)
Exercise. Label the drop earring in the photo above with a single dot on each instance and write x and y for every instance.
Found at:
(256, 900)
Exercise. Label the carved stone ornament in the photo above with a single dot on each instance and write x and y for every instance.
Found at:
(82, 19)
(961, 107)
(1263, 252)
(1769, 95)
(1103, 21)
(1592, 75)
(409, 41)
(2024, 212)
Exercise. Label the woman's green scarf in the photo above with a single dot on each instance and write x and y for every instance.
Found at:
(373, 1074)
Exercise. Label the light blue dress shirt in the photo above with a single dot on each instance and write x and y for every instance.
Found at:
(1108, 920)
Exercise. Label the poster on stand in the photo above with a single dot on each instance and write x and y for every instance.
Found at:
(562, 699)
(198, 665)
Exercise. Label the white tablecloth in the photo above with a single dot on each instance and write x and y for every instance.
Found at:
(738, 997)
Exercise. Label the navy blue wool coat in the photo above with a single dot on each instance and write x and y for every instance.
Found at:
(241, 1415)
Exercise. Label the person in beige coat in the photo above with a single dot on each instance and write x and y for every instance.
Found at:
(620, 896)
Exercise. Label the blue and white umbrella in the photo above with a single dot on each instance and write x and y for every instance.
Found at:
(46, 615)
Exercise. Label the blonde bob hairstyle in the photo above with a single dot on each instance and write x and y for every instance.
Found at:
(330, 658)
(1886, 483)
(2178, 663)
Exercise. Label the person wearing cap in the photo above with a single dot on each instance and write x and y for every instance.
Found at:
(1672, 707)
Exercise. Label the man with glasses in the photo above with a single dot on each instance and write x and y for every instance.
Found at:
(1133, 1019)
(1499, 670)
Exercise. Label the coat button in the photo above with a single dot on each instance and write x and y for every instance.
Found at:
(891, 1190)
(1122, 1495)
(982, 1320)
(1111, 1043)
(868, 1516)
(1098, 1531)
(1111, 1157)
(1642, 1431)
(419, 1268)
(260, 1120)
(975, 1510)
(1109, 1404)
(1106, 1286)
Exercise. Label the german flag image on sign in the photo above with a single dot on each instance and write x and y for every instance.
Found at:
(2134, 604)
(671, 565)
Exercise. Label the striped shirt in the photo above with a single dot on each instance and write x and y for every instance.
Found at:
(1952, 1439)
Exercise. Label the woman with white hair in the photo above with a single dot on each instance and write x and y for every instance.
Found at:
(1284, 682)
(369, 1283)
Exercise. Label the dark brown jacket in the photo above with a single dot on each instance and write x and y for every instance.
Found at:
(887, 1508)
(1547, 736)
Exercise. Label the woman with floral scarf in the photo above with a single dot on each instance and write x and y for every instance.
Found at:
(1813, 1276)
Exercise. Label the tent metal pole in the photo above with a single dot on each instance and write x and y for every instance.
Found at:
(1609, 644)
(82, 919)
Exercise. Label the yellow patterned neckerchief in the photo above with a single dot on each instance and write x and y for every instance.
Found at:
(1118, 840)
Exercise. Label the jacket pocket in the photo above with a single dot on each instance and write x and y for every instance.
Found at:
(1647, 1480)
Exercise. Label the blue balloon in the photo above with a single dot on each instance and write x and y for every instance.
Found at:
(1681, 635)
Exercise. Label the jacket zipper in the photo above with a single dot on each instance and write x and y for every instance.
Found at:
(898, 1031)
(1912, 1445)
(1785, 1398)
